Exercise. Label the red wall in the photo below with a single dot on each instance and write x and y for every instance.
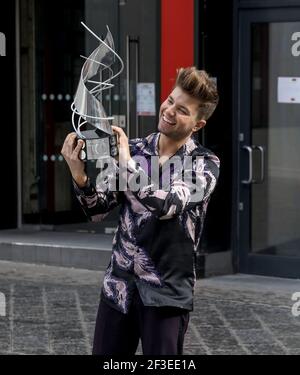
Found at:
(177, 40)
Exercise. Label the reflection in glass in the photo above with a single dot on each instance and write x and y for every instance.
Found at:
(275, 126)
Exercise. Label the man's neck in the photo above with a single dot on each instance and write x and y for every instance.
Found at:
(168, 146)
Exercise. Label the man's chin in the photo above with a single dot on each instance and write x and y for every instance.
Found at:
(172, 134)
(161, 128)
(167, 133)
(164, 129)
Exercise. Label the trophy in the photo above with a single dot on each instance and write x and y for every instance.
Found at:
(99, 141)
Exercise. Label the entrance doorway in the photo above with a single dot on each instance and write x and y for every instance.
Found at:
(269, 142)
(52, 40)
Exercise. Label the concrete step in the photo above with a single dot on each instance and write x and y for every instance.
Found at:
(66, 249)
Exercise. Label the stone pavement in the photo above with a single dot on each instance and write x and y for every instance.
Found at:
(52, 310)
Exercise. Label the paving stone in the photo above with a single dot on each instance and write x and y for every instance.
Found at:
(229, 351)
(217, 337)
(283, 330)
(4, 347)
(244, 324)
(90, 328)
(235, 312)
(291, 341)
(65, 325)
(294, 351)
(64, 335)
(253, 336)
(65, 313)
(194, 350)
(90, 317)
(32, 319)
(31, 343)
(5, 335)
(265, 349)
(88, 298)
(72, 347)
(207, 318)
(29, 351)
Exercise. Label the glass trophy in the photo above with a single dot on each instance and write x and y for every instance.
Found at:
(87, 109)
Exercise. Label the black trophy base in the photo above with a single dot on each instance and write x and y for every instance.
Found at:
(98, 145)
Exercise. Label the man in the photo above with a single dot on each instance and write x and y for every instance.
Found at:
(148, 286)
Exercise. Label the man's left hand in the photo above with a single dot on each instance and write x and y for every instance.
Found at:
(124, 152)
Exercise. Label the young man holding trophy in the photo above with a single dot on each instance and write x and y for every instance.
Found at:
(149, 284)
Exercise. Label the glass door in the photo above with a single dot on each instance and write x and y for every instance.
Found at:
(52, 40)
(269, 94)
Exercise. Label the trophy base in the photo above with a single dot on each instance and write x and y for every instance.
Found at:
(98, 145)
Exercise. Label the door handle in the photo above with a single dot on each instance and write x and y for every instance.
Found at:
(262, 164)
(136, 42)
(249, 181)
(128, 83)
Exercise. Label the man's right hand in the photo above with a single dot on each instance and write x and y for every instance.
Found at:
(70, 152)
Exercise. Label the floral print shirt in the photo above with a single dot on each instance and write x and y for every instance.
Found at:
(159, 230)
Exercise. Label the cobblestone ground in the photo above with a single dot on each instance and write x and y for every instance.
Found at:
(52, 310)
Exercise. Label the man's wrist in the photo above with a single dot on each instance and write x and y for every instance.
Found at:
(81, 181)
(131, 165)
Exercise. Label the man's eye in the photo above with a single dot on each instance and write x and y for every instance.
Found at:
(183, 111)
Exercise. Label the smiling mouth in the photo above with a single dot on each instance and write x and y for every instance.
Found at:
(168, 121)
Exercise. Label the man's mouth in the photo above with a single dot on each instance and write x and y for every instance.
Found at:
(168, 121)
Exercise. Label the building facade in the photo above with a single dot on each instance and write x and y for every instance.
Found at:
(252, 49)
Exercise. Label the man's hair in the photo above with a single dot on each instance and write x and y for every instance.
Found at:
(199, 85)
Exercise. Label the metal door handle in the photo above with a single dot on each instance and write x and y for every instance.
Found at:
(262, 164)
(249, 181)
(128, 83)
(137, 66)
(130, 40)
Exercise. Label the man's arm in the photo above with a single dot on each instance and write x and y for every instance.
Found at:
(96, 201)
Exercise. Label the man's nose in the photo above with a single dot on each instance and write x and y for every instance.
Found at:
(171, 110)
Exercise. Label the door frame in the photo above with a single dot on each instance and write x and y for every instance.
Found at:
(9, 187)
(243, 260)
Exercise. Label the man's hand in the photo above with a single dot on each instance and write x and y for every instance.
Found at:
(70, 151)
(124, 152)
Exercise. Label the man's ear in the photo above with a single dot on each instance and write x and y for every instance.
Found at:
(199, 125)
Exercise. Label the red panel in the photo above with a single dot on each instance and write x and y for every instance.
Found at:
(177, 40)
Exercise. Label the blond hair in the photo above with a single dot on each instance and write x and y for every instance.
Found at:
(199, 85)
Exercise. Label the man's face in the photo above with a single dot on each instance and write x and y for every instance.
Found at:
(178, 115)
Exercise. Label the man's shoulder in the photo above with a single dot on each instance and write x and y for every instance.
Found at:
(142, 144)
(199, 150)
(203, 156)
(146, 139)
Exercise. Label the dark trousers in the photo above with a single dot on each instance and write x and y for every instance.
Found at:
(161, 329)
